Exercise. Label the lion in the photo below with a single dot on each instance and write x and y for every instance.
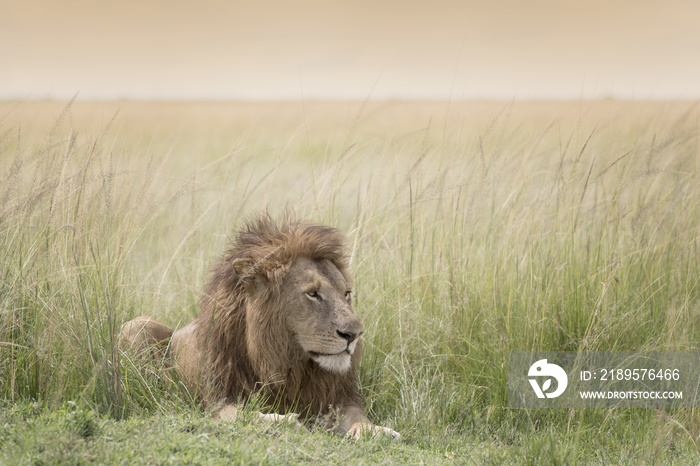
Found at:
(275, 319)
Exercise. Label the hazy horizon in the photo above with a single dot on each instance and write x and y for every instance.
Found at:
(349, 50)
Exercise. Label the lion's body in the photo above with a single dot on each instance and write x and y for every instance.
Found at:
(275, 319)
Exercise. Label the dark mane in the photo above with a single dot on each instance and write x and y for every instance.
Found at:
(248, 348)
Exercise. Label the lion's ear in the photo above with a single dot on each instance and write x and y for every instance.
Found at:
(243, 267)
(244, 271)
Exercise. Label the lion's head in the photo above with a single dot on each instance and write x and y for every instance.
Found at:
(319, 313)
(277, 315)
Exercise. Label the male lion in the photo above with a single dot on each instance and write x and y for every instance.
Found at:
(275, 319)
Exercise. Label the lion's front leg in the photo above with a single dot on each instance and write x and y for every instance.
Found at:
(291, 419)
(229, 412)
(356, 424)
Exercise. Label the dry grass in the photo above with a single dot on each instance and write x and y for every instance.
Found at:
(475, 229)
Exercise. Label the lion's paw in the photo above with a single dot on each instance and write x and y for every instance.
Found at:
(360, 429)
(288, 418)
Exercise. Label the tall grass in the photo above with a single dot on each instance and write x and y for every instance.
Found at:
(475, 229)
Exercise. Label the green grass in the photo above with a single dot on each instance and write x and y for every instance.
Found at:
(475, 229)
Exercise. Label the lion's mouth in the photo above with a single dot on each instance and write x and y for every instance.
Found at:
(315, 354)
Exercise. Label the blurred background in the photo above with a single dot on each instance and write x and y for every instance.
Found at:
(350, 49)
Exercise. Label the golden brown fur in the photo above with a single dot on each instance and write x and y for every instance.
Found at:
(271, 318)
(247, 343)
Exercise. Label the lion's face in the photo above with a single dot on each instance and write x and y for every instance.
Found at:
(319, 314)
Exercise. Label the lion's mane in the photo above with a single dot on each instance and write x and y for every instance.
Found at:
(247, 346)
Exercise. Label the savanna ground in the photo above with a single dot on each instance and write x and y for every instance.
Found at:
(475, 229)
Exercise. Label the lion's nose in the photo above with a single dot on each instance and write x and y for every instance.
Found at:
(348, 335)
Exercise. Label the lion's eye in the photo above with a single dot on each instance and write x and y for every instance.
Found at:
(313, 294)
(348, 295)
